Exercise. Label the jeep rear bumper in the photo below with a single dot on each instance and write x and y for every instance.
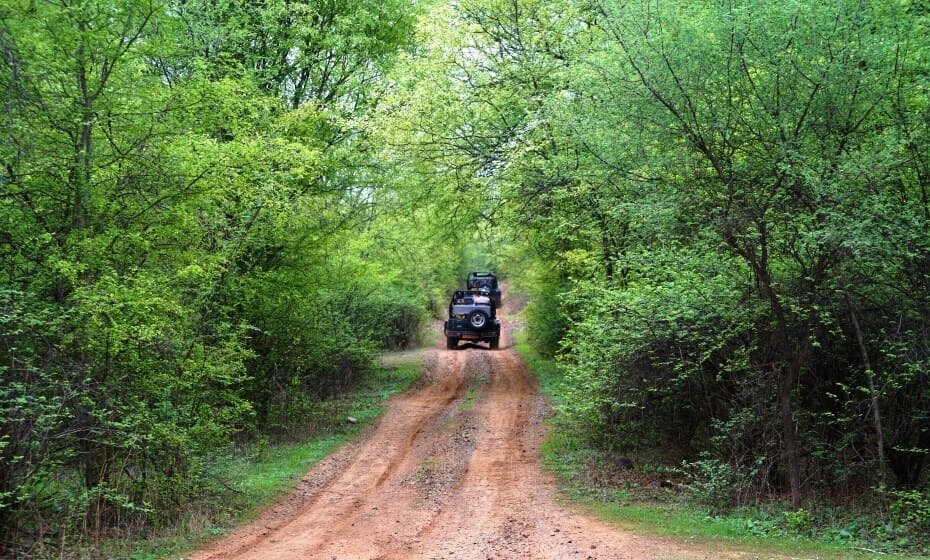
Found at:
(468, 335)
(456, 331)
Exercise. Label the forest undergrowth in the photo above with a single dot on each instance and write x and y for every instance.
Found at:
(251, 476)
(653, 490)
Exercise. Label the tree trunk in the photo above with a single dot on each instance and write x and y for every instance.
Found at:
(792, 356)
(83, 137)
(787, 379)
(873, 394)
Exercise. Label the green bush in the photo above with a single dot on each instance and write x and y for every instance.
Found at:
(799, 521)
(712, 483)
(109, 404)
(910, 513)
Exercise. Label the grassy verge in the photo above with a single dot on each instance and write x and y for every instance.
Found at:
(662, 512)
(259, 474)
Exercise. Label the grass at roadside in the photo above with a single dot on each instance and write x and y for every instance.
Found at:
(664, 512)
(259, 474)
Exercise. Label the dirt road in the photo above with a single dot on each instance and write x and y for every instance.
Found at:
(450, 471)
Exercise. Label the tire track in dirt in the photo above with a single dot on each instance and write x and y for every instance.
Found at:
(506, 506)
(450, 471)
(341, 492)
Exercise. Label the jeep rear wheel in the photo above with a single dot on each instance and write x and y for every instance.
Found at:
(495, 343)
(452, 342)
(477, 319)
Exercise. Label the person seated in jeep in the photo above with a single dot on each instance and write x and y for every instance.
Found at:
(483, 297)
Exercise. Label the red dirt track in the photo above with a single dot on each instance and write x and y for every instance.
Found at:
(450, 471)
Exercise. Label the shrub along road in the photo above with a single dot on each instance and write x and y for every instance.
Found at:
(451, 470)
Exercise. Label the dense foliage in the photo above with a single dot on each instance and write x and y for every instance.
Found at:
(721, 211)
(214, 212)
(195, 247)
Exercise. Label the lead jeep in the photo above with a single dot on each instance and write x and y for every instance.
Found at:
(478, 280)
(469, 319)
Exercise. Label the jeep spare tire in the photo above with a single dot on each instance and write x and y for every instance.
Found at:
(477, 319)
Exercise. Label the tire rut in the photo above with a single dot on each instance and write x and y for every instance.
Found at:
(450, 471)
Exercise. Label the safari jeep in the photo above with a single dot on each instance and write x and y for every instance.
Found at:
(469, 319)
(478, 280)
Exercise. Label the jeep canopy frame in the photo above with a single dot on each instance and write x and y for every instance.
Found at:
(478, 280)
(467, 297)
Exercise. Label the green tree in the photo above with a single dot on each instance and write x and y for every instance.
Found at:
(172, 206)
(717, 201)
(114, 396)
